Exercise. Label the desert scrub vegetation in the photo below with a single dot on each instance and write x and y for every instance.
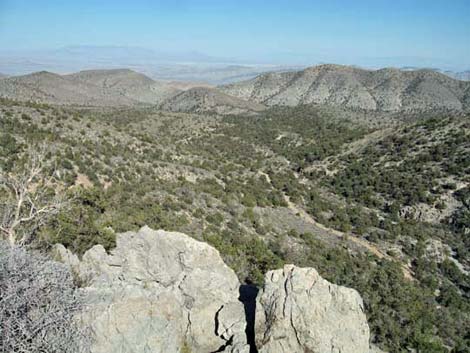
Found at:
(401, 313)
(213, 177)
(405, 167)
(39, 305)
(29, 195)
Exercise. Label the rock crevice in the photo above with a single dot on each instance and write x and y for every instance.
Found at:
(294, 315)
(168, 293)
(160, 291)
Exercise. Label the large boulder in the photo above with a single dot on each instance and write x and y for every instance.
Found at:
(160, 292)
(299, 311)
(164, 292)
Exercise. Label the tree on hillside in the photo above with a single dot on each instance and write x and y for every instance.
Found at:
(28, 196)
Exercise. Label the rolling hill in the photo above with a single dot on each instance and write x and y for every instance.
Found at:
(388, 90)
(119, 87)
(47, 87)
(126, 83)
(381, 91)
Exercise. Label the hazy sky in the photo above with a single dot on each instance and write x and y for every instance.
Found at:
(277, 30)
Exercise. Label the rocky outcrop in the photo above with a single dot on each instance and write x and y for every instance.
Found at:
(299, 311)
(164, 292)
(424, 212)
(160, 292)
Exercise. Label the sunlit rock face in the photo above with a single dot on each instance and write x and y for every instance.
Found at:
(160, 292)
(299, 311)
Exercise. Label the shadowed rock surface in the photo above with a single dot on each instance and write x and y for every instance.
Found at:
(165, 292)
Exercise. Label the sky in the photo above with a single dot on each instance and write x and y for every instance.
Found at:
(287, 31)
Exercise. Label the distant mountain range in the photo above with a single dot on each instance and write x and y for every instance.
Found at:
(463, 75)
(385, 90)
(458, 75)
(160, 65)
(184, 65)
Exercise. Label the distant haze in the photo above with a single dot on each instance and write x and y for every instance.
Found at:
(180, 66)
(367, 33)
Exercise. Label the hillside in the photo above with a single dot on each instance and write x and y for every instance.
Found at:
(388, 90)
(89, 88)
(128, 84)
(382, 209)
(202, 99)
(121, 87)
(383, 91)
(51, 88)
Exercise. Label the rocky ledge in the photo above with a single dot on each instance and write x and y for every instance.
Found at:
(165, 292)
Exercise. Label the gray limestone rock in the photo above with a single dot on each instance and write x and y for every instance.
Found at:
(164, 292)
(299, 311)
(160, 292)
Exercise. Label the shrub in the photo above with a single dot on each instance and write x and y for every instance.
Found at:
(38, 305)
